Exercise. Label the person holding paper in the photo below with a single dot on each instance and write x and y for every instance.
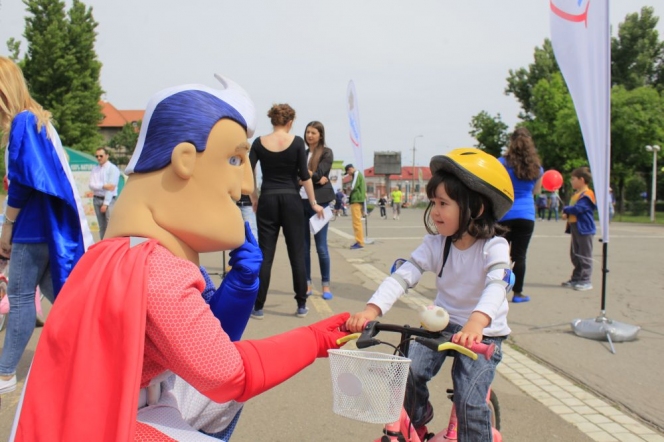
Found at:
(320, 158)
(283, 161)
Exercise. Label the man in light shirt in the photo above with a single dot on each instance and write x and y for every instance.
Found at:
(104, 183)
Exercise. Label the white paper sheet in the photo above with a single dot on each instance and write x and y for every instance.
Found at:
(315, 223)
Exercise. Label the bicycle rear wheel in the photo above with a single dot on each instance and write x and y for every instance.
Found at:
(494, 406)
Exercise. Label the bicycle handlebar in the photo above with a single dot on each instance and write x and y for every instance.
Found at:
(437, 341)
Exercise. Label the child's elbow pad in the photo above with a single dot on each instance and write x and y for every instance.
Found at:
(508, 278)
(398, 278)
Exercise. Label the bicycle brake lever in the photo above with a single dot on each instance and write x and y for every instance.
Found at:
(366, 339)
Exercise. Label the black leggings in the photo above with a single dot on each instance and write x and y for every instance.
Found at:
(521, 230)
(277, 211)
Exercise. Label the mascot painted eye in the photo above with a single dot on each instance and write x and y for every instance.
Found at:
(235, 161)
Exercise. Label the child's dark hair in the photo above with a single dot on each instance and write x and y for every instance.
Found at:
(479, 223)
(583, 172)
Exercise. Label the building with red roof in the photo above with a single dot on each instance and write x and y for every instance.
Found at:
(410, 178)
(115, 119)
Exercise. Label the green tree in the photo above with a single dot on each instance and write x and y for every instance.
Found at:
(62, 68)
(521, 82)
(637, 120)
(637, 55)
(555, 128)
(490, 132)
(124, 142)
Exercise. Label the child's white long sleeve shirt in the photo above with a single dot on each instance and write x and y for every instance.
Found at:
(470, 281)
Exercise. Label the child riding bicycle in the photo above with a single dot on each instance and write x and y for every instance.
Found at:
(468, 192)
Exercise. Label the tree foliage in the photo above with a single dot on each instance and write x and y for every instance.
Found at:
(126, 138)
(490, 132)
(521, 82)
(124, 142)
(637, 55)
(62, 69)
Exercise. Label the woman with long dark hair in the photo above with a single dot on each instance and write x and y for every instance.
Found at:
(320, 158)
(524, 167)
(284, 165)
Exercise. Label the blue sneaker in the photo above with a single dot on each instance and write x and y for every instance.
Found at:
(356, 246)
(327, 296)
(301, 312)
(520, 298)
(257, 314)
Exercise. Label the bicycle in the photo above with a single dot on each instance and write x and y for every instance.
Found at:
(385, 379)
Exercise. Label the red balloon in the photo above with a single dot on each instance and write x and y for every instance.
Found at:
(552, 180)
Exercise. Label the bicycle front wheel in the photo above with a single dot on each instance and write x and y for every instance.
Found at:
(494, 406)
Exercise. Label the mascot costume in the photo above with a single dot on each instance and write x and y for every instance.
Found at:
(133, 348)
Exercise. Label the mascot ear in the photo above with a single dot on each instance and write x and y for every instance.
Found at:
(183, 160)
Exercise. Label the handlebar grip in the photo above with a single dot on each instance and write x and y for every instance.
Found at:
(342, 341)
(477, 348)
(486, 350)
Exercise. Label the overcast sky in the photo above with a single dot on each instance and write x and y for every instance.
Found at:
(420, 67)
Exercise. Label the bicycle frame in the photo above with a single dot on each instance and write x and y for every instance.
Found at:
(403, 430)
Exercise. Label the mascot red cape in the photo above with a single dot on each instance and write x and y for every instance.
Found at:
(131, 342)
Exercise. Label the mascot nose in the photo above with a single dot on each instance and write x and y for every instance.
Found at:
(247, 178)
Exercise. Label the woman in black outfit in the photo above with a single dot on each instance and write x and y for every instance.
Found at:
(284, 165)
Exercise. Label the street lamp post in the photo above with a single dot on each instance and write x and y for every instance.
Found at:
(412, 179)
(653, 193)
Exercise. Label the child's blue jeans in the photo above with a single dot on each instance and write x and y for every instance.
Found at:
(471, 381)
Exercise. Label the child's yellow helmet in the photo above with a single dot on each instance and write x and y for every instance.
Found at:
(482, 173)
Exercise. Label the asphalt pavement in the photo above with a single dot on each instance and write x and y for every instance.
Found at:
(552, 385)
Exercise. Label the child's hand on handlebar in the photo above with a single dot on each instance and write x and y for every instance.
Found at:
(357, 322)
(472, 332)
(466, 339)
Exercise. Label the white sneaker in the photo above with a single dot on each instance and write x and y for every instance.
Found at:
(582, 286)
(8, 386)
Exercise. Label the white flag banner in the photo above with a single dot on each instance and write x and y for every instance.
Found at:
(582, 45)
(354, 119)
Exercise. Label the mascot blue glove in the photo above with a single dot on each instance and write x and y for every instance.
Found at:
(233, 302)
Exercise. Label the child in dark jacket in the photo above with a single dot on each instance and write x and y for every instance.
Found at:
(581, 224)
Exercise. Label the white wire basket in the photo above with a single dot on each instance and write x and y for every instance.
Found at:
(368, 386)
